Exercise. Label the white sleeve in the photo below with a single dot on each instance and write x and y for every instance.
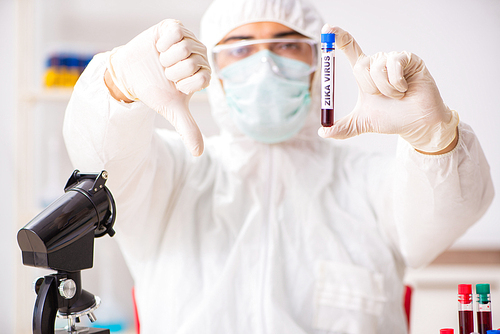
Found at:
(436, 198)
(144, 168)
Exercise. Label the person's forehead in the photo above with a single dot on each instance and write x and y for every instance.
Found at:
(260, 30)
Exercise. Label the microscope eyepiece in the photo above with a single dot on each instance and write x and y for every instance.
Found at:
(61, 237)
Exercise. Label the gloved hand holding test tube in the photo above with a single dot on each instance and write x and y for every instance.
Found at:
(397, 95)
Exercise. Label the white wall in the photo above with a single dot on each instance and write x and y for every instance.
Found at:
(7, 223)
(458, 40)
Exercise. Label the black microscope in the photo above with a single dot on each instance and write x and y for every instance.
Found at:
(61, 238)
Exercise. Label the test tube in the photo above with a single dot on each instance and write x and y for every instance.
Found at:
(465, 309)
(327, 79)
(483, 299)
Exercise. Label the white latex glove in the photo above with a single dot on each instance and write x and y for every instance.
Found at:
(397, 95)
(162, 67)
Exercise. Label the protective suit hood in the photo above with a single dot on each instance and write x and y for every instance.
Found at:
(223, 16)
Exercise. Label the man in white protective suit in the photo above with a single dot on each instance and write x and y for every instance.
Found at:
(274, 228)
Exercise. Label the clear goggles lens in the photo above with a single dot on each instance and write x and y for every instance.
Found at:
(301, 49)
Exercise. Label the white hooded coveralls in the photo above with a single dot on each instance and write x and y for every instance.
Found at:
(305, 236)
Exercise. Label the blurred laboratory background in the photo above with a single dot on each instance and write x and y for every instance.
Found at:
(45, 44)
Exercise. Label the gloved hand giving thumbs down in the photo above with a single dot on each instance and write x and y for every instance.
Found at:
(397, 95)
(162, 67)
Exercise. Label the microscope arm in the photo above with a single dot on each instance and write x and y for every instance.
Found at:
(44, 315)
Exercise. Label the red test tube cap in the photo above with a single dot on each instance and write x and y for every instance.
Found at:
(465, 289)
(465, 293)
(446, 331)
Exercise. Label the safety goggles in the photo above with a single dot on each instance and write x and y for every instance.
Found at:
(303, 50)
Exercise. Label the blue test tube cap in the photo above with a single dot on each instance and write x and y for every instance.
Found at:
(493, 331)
(328, 38)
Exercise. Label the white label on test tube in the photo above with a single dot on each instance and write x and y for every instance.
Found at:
(327, 73)
(327, 79)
